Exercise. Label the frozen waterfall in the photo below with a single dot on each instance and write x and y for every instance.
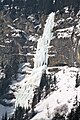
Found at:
(41, 57)
(28, 84)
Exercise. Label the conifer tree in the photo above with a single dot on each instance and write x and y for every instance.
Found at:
(77, 80)
(2, 65)
(55, 81)
(5, 116)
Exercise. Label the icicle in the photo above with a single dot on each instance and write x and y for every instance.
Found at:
(41, 57)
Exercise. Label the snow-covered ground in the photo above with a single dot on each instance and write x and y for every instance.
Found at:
(63, 98)
(28, 85)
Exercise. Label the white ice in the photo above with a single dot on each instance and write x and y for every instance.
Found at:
(41, 57)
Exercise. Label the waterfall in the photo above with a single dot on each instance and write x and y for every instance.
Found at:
(41, 57)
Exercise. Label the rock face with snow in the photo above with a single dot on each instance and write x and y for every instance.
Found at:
(64, 45)
(31, 47)
(66, 77)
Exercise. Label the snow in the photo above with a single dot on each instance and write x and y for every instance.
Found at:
(65, 95)
(2, 46)
(32, 38)
(16, 34)
(31, 17)
(30, 54)
(66, 29)
(15, 20)
(53, 1)
(25, 67)
(28, 85)
(2, 74)
(78, 29)
(65, 32)
(70, 18)
(78, 14)
(66, 10)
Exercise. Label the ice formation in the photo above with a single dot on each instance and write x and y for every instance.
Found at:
(41, 57)
(29, 83)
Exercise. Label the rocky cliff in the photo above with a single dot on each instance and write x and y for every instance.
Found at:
(32, 43)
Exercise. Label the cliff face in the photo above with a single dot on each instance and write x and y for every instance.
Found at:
(29, 47)
(24, 26)
(65, 40)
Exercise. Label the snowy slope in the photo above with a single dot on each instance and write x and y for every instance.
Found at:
(63, 98)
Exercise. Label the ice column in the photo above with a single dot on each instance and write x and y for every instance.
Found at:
(41, 57)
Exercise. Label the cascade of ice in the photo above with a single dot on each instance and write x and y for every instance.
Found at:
(41, 57)
(28, 84)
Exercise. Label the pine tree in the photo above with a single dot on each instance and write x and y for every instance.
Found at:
(55, 81)
(51, 83)
(77, 80)
(1, 5)
(2, 65)
(47, 88)
(42, 84)
(58, 117)
(5, 116)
